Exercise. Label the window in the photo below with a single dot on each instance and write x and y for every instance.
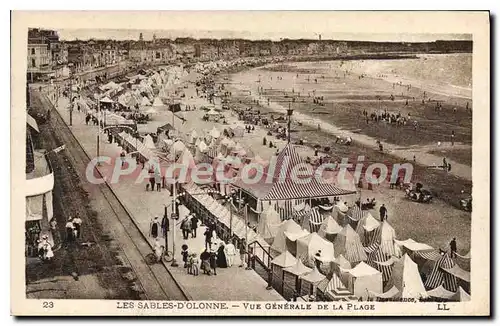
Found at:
(33, 51)
(33, 62)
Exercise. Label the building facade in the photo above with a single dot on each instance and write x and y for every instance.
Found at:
(44, 53)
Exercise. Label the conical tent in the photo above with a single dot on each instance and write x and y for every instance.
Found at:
(215, 133)
(289, 226)
(106, 100)
(145, 101)
(406, 278)
(298, 269)
(349, 245)
(148, 142)
(269, 223)
(392, 293)
(259, 160)
(384, 236)
(178, 147)
(440, 293)
(286, 259)
(339, 211)
(202, 147)
(329, 227)
(439, 276)
(193, 136)
(460, 295)
(187, 159)
(365, 227)
(363, 278)
(157, 102)
(313, 277)
(309, 246)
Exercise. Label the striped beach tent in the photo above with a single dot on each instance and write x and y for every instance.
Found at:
(349, 245)
(366, 227)
(439, 275)
(312, 221)
(354, 215)
(384, 236)
(382, 262)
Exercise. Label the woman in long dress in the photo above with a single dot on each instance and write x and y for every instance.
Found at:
(221, 256)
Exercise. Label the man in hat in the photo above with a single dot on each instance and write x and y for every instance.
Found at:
(186, 227)
(69, 230)
(165, 227)
(194, 225)
(208, 238)
(383, 212)
(453, 248)
(230, 251)
(317, 260)
(77, 223)
(154, 228)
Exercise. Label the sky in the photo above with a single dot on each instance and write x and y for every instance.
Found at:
(271, 25)
(133, 34)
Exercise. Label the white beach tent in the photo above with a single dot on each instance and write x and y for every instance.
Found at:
(339, 211)
(310, 281)
(202, 147)
(289, 226)
(269, 223)
(145, 102)
(106, 100)
(364, 278)
(291, 277)
(440, 293)
(406, 278)
(178, 147)
(193, 136)
(329, 228)
(291, 240)
(215, 133)
(278, 265)
(310, 245)
(148, 142)
(158, 102)
(298, 269)
(238, 129)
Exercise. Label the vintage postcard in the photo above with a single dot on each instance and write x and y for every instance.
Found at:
(250, 163)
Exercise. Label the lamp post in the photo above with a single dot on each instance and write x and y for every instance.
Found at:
(175, 217)
(289, 113)
(71, 103)
(246, 238)
(98, 123)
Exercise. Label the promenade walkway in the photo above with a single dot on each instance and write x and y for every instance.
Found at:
(233, 283)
